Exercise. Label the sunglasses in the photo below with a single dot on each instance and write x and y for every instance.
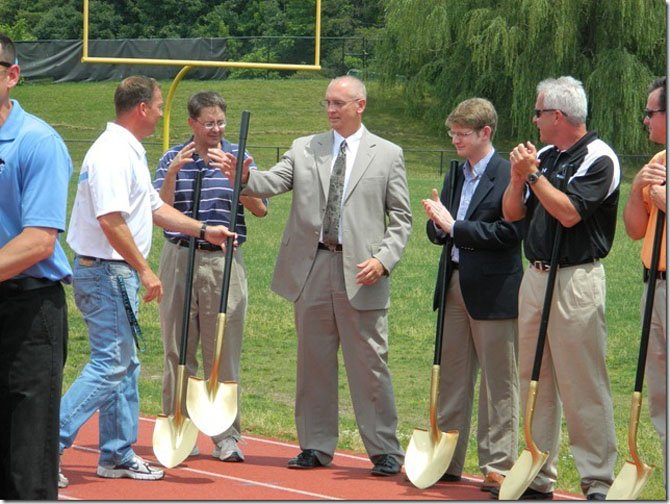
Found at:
(539, 112)
(5, 64)
(650, 112)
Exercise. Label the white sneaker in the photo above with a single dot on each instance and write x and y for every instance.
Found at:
(228, 451)
(136, 468)
(63, 482)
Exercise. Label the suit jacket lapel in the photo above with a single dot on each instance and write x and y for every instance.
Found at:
(483, 188)
(323, 157)
(366, 152)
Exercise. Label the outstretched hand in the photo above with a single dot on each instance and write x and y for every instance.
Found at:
(227, 164)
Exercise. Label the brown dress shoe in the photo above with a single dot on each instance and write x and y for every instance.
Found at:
(492, 480)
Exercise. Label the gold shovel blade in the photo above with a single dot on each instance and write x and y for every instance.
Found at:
(212, 411)
(173, 439)
(426, 461)
(630, 481)
(522, 474)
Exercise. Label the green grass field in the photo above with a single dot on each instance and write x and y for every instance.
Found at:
(281, 111)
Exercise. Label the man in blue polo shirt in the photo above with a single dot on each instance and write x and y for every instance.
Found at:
(175, 179)
(35, 168)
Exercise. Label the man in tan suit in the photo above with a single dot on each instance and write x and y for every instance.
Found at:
(334, 263)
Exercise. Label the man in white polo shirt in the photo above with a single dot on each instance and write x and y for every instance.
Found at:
(110, 232)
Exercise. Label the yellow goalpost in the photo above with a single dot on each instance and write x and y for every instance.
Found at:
(189, 64)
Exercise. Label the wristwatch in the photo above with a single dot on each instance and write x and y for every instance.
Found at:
(533, 177)
(203, 228)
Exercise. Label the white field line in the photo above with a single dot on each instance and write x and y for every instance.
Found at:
(559, 495)
(233, 478)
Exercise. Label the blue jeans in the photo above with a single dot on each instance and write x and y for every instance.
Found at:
(109, 381)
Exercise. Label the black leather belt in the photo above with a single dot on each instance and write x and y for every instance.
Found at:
(660, 275)
(545, 266)
(334, 248)
(210, 247)
(26, 284)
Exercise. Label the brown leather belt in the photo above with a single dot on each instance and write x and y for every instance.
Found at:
(545, 266)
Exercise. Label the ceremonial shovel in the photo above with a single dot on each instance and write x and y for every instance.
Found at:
(634, 474)
(429, 453)
(213, 405)
(176, 435)
(531, 460)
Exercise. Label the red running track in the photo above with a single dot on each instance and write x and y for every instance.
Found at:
(263, 476)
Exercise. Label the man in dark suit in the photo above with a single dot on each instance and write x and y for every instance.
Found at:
(334, 263)
(484, 272)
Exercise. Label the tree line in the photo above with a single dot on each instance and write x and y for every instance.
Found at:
(440, 51)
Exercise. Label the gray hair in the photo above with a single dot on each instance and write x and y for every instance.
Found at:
(357, 87)
(567, 95)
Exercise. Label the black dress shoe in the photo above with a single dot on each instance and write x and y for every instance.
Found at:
(450, 477)
(386, 465)
(529, 494)
(306, 459)
(596, 496)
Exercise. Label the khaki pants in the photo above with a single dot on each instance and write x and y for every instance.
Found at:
(205, 301)
(573, 376)
(467, 346)
(656, 366)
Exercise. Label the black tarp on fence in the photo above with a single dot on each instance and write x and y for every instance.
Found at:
(60, 60)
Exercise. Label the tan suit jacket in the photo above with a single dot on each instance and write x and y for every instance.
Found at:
(376, 217)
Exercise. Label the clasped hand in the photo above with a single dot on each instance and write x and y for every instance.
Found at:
(524, 162)
(438, 213)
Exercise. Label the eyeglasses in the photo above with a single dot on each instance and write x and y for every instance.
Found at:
(460, 134)
(336, 104)
(5, 64)
(211, 124)
(539, 112)
(649, 113)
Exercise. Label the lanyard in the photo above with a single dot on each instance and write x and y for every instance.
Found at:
(134, 324)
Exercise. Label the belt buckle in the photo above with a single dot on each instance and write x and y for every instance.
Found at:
(542, 266)
(86, 262)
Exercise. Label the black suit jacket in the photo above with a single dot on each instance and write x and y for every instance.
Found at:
(490, 268)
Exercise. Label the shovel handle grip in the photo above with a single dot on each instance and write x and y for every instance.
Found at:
(563, 175)
(445, 266)
(649, 300)
(230, 242)
(189, 274)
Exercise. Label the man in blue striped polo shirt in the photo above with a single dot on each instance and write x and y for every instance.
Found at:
(175, 181)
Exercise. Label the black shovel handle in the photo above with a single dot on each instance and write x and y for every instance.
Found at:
(649, 300)
(230, 242)
(563, 176)
(445, 265)
(189, 273)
